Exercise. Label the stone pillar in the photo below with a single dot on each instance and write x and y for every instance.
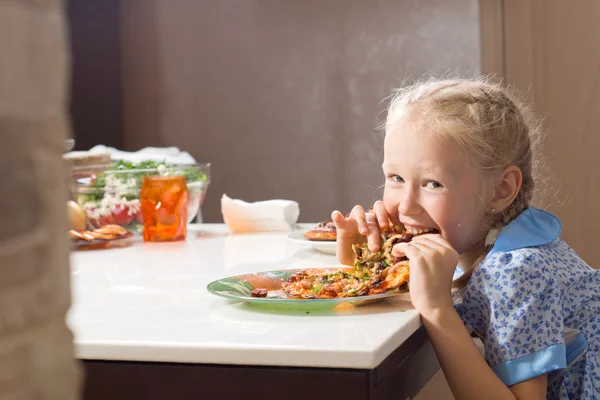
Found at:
(36, 347)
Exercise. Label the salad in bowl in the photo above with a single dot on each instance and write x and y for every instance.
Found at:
(111, 195)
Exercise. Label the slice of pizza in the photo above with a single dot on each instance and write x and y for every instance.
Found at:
(325, 285)
(374, 273)
(384, 271)
(325, 231)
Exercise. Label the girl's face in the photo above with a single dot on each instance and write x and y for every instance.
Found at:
(431, 185)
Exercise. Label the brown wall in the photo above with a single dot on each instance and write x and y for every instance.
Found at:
(96, 92)
(551, 50)
(283, 97)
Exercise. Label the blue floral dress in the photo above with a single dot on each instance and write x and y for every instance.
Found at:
(536, 307)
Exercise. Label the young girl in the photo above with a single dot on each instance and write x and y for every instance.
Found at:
(459, 167)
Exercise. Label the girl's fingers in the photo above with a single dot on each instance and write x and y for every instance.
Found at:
(345, 226)
(410, 249)
(432, 238)
(436, 243)
(400, 249)
(383, 219)
(423, 247)
(339, 220)
(428, 243)
(363, 223)
(347, 235)
(373, 237)
(435, 254)
(358, 214)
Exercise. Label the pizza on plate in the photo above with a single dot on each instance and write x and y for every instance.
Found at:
(373, 273)
(324, 231)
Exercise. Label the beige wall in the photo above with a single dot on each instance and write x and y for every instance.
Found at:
(551, 50)
(283, 96)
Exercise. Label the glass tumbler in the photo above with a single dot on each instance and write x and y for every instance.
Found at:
(164, 208)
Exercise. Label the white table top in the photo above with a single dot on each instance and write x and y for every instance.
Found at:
(149, 302)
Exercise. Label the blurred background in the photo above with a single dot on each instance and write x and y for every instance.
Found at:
(284, 97)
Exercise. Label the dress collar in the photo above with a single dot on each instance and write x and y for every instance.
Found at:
(532, 228)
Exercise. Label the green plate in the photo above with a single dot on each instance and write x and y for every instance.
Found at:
(240, 287)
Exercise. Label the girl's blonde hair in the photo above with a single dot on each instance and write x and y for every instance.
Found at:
(488, 121)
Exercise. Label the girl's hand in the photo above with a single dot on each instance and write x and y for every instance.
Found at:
(358, 225)
(432, 265)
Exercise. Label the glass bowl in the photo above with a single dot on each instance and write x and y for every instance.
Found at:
(111, 194)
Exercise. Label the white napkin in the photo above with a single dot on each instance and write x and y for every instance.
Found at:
(261, 216)
(170, 155)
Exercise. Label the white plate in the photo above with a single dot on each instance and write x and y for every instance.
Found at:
(323, 247)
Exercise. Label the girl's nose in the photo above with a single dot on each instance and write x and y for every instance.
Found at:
(409, 204)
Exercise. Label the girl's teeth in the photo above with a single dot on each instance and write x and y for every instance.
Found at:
(419, 231)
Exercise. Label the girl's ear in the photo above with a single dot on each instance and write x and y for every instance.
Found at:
(507, 187)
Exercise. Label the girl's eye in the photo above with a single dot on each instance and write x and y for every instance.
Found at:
(397, 178)
(433, 185)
